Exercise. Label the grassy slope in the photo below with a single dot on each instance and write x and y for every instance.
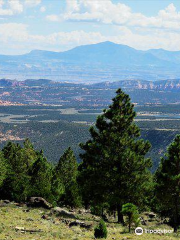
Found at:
(12, 217)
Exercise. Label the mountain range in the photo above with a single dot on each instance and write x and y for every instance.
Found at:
(163, 85)
(93, 63)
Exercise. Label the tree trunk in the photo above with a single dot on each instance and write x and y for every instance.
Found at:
(176, 215)
(129, 226)
(102, 212)
(114, 214)
(175, 229)
(120, 216)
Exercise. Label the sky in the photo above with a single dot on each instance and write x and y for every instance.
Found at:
(59, 25)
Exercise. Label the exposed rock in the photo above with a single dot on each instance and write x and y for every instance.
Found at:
(22, 229)
(81, 224)
(143, 222)
(3, 203)
(150, 214)
(6, 201)
(26, 210)
(84, 211)
(19, 228)
(19, 204)
(66, 221)
(39, 202)
(46, 217)
(81, 211)
(60, 212)
(165, 221)
(29, 220)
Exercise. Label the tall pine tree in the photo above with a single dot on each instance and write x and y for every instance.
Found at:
(67, 170)
(15, 186)
(114, 169)
(167, 179)
(3, 169)
(41, 178)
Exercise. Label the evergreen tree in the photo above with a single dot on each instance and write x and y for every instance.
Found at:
(3, 169)
(66, 170)
(57, 187)
(114, 167)
(100, 231)
(167, 179)
(16, 184)
(29, 154)
(131, 211)
(41, 178)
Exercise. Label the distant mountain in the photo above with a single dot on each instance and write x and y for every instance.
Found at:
(9, 83)
(101, 53)
(113, 54)
(38, 83)
(95, 62)
(164, 85)
(165, 55)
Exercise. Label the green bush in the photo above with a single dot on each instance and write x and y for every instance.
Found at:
(100, 231)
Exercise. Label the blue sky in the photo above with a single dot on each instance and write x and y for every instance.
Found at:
(59, 25)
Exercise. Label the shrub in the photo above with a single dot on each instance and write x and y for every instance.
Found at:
(100, 231)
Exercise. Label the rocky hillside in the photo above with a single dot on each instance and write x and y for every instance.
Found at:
(19, 222)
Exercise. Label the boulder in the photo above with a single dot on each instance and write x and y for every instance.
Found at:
(60, 212)
(3, 203)
(150, 214)
(80, 224)
(45, 217)
(143, 222)
(39, 202)
(6, 201)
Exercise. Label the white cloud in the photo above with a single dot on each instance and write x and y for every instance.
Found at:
(12, 7)
(72, 5)
(43, 9)
(32, 3)
(127, 27)
(15, 6)
(15, 32)
(108, 12)
(1, 3)
(15, 37)
(53, 18)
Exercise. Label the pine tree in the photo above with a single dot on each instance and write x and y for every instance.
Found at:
(131, 211)
(41, 178)
(57, 187)
(100, 231)
(3, 169)
(167, 179)
(66, 170)
(16, 184)
(114, 168)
